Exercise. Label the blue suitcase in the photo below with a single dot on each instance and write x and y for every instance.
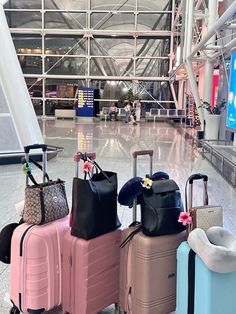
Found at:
(200, 290)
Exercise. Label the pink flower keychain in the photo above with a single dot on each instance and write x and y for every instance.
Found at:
(185, 218)
(87, 166)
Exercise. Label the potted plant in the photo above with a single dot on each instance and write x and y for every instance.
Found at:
(212, 118)
(218, 109)
(128, 96)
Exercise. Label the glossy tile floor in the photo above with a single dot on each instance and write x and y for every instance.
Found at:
(114, 142)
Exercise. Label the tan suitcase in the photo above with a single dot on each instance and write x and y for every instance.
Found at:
(148, 271)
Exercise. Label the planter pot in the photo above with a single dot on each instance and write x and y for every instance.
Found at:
(212, 126)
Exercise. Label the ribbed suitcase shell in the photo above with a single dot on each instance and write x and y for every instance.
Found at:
(214, 292)
(90, 273)
(35, 271)
(148, 273)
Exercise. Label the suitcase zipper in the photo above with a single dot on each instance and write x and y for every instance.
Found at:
(22, 239)
(21, 255)
(128, 276)
(72, 275)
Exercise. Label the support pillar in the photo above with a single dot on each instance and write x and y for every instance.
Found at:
(209, 67)
(189, 66)
(181, 94)
(15, 89)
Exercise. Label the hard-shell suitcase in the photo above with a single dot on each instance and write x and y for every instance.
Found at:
(35, 270)
(90, 273)
(200, 290)
(148, 268)
(205, 216)
(148, 273)
(90, 270)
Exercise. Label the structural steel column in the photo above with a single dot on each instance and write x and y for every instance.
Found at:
(43, 62)
(181, 94)
(209, 67)
(182, 32)
(190, 70)
(15, 88)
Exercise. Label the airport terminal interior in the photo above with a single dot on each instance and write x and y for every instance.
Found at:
(65, 63)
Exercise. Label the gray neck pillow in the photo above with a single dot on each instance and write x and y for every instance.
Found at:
(216, 247)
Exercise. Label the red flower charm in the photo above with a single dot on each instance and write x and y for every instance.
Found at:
(185, 218)
(87, 166)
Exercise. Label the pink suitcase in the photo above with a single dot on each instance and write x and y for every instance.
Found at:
(90, 279)
(35, 270)
(148, 268)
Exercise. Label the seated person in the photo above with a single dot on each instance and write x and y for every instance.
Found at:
(113, 111)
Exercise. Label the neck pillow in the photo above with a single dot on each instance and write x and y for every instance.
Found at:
(216, 247)
(133, 189)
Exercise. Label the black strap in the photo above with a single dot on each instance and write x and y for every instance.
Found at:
(130, 236)
(191, 281)
(31, 177)
(98, 167)
(85, 157)
(39, 166)
(42, 208)
(29, 174)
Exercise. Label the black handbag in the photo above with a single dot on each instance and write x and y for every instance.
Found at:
(94, 205)
(160, 209)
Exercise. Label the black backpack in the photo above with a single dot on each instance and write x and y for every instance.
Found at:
(161, 206)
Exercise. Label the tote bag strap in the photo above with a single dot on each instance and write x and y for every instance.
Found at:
(29, 173)
(85, 157)
(98, 167)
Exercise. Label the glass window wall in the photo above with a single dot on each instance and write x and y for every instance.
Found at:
(90, 43)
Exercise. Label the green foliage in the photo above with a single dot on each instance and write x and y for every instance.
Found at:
(217, 109)
(130, 96)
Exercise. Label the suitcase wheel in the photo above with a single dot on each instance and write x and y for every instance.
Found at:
(14, 310)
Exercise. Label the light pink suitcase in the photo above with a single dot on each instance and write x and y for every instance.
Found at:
(35, 270)
(90, 279)
(148, 268)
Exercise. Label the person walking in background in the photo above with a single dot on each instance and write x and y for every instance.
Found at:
(137, 105)
(129, 113)
(127, 109)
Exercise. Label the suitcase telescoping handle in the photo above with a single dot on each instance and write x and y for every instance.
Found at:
(78, 156)
(35, 146)
(141, 153)
(27, 149)
(191, 179)
(135, 157)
